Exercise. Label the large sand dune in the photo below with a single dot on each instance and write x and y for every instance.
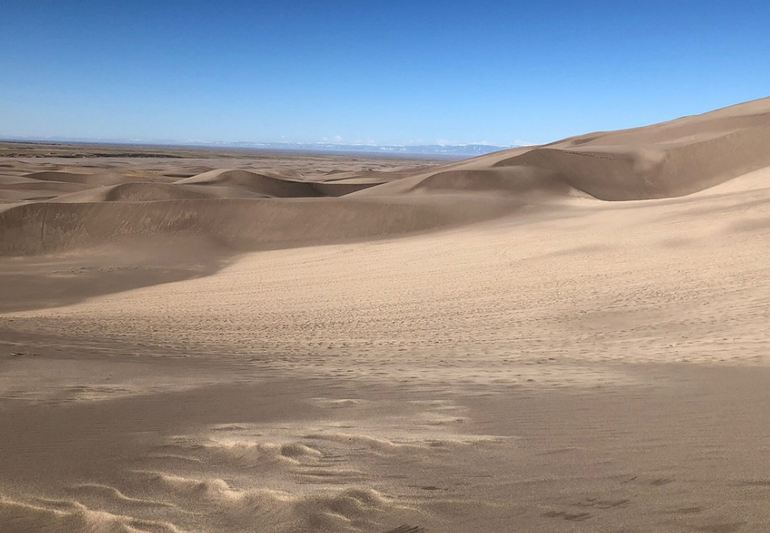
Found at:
(669, 159)
(336, 344)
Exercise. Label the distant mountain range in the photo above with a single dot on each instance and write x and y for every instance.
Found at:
(422, 149)
(457, 150)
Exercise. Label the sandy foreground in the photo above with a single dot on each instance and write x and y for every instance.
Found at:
(561, 338)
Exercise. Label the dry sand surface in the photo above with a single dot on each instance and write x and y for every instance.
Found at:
(570, 337)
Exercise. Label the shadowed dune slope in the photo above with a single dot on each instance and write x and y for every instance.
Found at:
(70, 177)
(56, 187)
(663, 160)
(36, 190)
(239, 224)
(524, 182)
(92, 180)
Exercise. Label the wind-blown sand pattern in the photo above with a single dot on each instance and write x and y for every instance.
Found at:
(569, 337)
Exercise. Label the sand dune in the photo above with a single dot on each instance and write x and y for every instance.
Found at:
(135, 192)
(252, 182)
(240, 224)
(271, 186)
(669, 159)
(334, 344)
(522, 182)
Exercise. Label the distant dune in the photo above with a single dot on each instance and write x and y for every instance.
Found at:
(272, 186)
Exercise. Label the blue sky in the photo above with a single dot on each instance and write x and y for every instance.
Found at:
(388, 72)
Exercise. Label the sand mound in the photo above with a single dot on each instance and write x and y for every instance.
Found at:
(135, 192)
(351, 509)
(663, 160)
(144, 192)
(252, 182)
(70, 516)
(271, 186)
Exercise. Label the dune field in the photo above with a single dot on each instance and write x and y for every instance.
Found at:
(570, 337)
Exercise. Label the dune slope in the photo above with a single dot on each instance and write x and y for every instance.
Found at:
(662, 160)
(239, 224)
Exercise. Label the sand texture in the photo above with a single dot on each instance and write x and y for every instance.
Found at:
(561, 338)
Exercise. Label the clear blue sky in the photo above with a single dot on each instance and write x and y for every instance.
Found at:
(385, 72)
